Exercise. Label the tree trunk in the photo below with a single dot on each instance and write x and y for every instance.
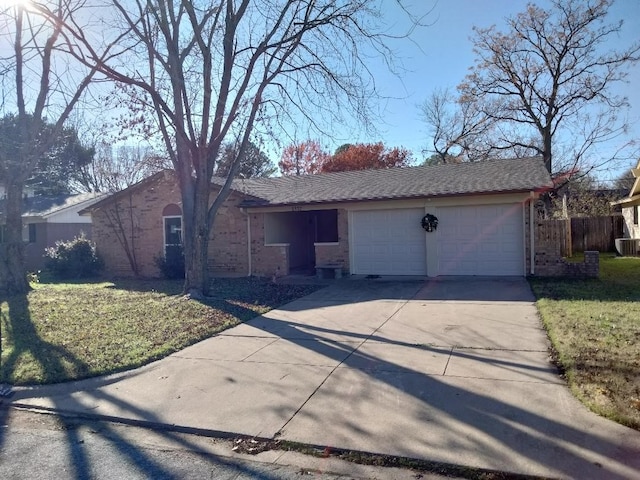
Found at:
(547, 145)
(195, 238)
(547, 139)
(13, 275)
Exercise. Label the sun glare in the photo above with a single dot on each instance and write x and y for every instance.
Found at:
(14, 3)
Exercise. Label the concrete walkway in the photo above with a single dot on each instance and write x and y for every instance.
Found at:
(453, 370)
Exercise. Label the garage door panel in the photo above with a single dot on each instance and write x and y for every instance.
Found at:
(388, 242)
(480, 240)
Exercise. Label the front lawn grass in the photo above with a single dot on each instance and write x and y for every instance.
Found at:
(68, 331)
(594, 326)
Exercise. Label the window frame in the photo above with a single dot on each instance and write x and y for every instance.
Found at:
(165, 218)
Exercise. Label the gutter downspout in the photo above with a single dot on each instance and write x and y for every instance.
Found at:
(532, 242)
(249, 263)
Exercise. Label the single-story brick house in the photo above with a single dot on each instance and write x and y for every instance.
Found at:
(49, 218)
(368, 222)
(631, 213)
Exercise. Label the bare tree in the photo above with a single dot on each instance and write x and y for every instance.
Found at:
(459, 130)
(548, 77)
(217, 69)
(43, 95)
(116, 168)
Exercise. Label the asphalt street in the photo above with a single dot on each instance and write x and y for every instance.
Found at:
(41, 446)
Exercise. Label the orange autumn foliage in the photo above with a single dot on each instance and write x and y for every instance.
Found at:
(366, 156)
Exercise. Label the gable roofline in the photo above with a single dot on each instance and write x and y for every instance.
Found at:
(218, 181)
(83, 204)
(43, 207)
(109, 198)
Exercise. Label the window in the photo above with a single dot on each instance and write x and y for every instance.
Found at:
(172, 231)
(635, 214)
(327, 226)
(172, 221)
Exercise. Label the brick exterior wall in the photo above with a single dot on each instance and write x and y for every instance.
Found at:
(337, 253)
(228, 248)
(136, 220)
(267, 260)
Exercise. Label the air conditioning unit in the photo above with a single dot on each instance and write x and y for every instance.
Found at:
(628, 247)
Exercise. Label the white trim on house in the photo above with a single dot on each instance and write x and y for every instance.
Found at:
(400, 203)
(532, 241)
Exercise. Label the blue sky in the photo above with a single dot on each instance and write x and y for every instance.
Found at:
(439, 56)
(442, 54)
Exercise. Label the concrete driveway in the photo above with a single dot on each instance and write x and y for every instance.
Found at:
(449, 370)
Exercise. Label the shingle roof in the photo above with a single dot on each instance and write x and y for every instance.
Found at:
(492, 176)
(44, 205)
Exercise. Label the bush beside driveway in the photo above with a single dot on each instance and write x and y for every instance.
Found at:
(594, 327)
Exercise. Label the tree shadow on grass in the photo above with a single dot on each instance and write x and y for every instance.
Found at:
(225, 291)
(52, 359)
(19, 330)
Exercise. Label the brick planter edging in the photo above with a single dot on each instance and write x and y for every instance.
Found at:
(551, 265)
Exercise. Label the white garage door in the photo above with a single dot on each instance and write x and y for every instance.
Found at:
(481, 240)
(388, 242)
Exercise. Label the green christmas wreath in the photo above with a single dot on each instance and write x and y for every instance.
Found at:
(429, 222)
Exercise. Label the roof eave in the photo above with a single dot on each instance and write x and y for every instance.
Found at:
(628, 202)
(89, 201)
(403, 197)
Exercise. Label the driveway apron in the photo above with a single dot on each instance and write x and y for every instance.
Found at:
(451, 370)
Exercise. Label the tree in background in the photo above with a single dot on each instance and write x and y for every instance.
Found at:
(64, 157)
(304, 158)
(115, 168)
(42, 104)
(460, 132)
(544, 79)
(625, 181)
(253, 163)
(367, 156)
(583, 196)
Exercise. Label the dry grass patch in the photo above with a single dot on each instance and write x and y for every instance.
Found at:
(594, 326)
(62, 332)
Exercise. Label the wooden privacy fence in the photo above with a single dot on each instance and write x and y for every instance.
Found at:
(596, 233)
(582, 233)
(556, 233)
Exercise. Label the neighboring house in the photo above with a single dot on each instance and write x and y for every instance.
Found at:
(631, 207)
(368, 222)
(47, 219)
